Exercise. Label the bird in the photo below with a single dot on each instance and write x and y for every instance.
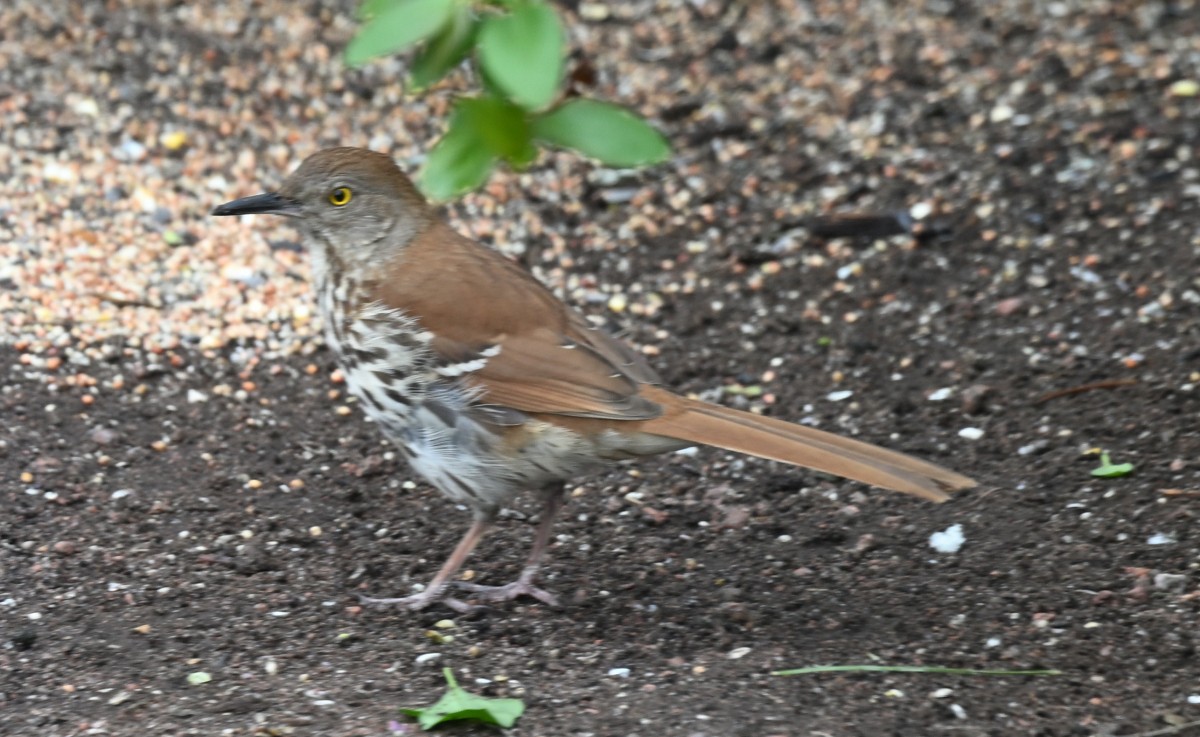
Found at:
(489, 384)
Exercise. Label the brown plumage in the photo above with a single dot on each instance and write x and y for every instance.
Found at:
(491, 385)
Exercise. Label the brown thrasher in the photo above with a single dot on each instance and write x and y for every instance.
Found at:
(487, 382)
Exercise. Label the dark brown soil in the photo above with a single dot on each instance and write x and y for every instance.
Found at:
(1063, 250)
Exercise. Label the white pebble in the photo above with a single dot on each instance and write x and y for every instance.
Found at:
(424, 658)
(959, 712)
(618, 672)
(58, 173)
(920, 210)
(738, 653)
(1170, 581)
(941, 693)
(195, 397)
(941, 395)
(839, 396)
(970, 433)
(1160, 539)
(949, 540)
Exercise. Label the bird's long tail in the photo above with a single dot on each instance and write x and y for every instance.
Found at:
(743, 432)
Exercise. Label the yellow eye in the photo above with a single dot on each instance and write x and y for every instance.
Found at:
(339, 196)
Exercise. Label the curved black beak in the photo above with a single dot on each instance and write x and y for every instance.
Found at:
(268, 203)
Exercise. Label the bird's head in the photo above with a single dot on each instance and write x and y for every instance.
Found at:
(356, 204)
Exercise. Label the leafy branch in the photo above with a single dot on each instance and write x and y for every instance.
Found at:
(518, 49)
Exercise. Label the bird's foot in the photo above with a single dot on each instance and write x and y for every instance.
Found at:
(508, 592)
(419, 601)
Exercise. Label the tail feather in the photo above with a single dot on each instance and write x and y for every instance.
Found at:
(764, 437)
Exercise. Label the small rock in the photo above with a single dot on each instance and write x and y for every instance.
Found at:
(1006, 307)
(865, 542)
(103, 436)
(1184, 88)
(195, 396)
(1001, 113)
(949, 540)
(1037, 447)
(1170, 581)
(129, 150)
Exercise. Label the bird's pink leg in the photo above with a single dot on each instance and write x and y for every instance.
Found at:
(437, 587)
(523, 586)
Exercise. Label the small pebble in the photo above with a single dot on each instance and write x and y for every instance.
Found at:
(1170, 581)
(941, 395)
(949, 540)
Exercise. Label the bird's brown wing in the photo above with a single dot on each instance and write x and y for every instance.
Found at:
(498, 330)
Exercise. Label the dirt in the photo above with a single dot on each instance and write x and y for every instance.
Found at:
(185, 521)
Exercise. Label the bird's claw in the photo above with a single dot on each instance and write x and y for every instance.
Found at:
(508, 592)
(417, 602)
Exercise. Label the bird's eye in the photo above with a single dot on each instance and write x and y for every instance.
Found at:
(339, 196)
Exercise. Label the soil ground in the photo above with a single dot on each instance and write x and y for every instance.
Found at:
(184, 521)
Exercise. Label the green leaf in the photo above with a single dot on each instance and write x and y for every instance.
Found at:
(608, 133)
(458, 704)
(911, 669)
(522, 53)
(458, 163)
(482, 130)
(198, 678)
(446, 49)
(397, 25)
(1110, 470)
(502, 126)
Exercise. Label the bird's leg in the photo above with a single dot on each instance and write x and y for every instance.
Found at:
(523, 586)
(437, 587)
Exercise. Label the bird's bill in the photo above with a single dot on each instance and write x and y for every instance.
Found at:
(268, 203)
